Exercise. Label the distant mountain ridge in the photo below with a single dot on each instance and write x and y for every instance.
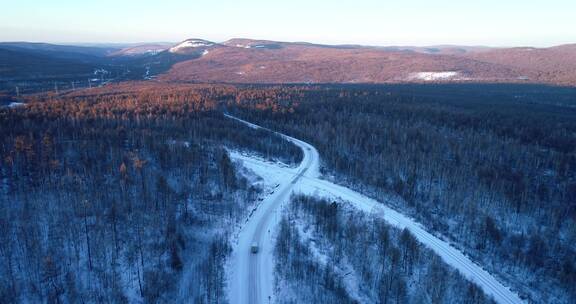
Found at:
(54, 49)
(149, 49)
(243, 60)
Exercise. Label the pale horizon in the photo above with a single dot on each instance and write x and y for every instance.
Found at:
(364, 22)
(136, 43)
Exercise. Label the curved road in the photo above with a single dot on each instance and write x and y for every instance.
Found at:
(252, 282)
(252, 278)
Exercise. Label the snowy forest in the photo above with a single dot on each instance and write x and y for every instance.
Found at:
(492, 168)
(126, 193)
(121, 199)
(328, 252)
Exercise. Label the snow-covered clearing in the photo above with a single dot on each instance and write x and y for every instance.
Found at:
(434, 76)
(13, 105)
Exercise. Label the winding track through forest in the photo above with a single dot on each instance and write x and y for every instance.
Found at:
(251, 279)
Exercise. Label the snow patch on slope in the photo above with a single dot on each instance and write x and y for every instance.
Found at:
(434, 76)
(242, 46)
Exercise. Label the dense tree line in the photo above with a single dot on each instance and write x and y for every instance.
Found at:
(327, 251)
(121, 197)
(491, 167)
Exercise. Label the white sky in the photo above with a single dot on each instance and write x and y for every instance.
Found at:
(373, 22)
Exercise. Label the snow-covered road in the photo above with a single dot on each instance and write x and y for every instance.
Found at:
(251, 278)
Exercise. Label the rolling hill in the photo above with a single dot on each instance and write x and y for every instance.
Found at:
(261, 61)
(38, 66)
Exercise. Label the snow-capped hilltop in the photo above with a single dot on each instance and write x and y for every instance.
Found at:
(190, 43)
